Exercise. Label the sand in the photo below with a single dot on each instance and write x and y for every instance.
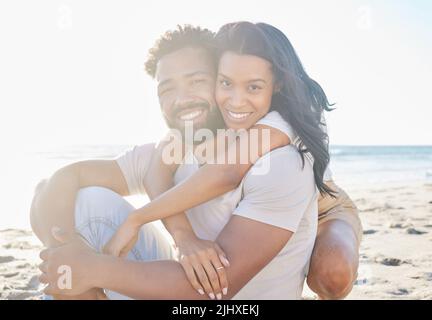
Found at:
(395, 254)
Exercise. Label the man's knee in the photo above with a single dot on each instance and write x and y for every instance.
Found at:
(99, 202)
(95, 195)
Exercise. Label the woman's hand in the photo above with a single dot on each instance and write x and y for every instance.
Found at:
(124, 239)
(204, 263)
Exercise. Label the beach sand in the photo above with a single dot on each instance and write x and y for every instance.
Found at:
(395, 254)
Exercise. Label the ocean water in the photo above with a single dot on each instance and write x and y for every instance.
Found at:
(366, 166)
(353, 167)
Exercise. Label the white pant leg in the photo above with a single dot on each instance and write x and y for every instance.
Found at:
(98, 214)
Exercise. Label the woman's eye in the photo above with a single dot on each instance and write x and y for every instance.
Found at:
(254, 87)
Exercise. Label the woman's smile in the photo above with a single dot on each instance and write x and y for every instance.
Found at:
(238, 116)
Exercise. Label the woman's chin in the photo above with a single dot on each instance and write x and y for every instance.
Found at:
(238, 124)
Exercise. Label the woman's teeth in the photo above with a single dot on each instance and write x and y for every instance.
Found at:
(191, 115)
(239, 115)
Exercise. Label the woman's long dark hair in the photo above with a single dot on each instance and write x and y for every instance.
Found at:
(300, 99)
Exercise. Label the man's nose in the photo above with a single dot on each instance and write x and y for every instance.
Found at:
(183, 98)
(183, 102)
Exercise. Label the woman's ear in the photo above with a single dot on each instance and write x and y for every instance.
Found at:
(277, 87)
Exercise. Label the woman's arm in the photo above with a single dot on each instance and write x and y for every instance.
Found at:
(214, 179)
(210, 181)
(158, 179)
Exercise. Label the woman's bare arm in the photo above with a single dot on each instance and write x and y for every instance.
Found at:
(212, 180)
(158, 179)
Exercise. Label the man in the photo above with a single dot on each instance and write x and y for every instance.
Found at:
(175, 61)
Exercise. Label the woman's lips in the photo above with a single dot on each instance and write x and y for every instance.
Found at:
(238, 116)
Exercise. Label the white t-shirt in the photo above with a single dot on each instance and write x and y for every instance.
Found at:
(284, 196)
(274, 119)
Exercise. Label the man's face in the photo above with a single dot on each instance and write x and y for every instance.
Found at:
(186, 83)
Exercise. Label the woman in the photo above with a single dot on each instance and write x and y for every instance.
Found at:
(261, 85)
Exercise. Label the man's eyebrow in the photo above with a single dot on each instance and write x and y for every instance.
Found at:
(251, 80)
(188, 75)
(203, 73)
(163, 83)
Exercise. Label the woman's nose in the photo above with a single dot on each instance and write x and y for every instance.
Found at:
(237, 100)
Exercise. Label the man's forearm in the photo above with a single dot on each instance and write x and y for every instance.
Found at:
(54, 205)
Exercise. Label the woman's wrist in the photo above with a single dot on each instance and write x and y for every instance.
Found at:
(136, 219)
(182, 234)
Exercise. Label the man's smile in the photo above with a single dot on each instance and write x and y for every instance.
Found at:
(192, 114)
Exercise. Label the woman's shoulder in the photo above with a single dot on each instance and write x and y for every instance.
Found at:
(275, 120)
(282, 162)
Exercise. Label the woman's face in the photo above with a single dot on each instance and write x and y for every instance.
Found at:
(244, 89)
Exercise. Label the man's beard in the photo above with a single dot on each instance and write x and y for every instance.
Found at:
(213, 121)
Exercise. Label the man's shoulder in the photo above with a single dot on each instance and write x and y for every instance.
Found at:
(139, 150)
(146, 147)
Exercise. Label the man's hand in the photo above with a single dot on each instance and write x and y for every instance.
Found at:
(67, 269)
(124, 239)
(203, 262)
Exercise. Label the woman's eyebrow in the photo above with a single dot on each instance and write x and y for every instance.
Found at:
(258, 80)
(249, 81)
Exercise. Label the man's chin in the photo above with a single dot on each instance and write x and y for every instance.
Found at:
(211, 120)
(195, 125)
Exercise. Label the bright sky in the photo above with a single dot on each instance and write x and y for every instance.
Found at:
(72, 71)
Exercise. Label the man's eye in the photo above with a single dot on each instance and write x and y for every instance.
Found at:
(198, 81)
(224, 83)
(165, 91)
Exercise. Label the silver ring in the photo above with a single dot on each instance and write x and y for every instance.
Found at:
(219, 268)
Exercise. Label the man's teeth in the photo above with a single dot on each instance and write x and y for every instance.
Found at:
(239, 115)
(191, 115)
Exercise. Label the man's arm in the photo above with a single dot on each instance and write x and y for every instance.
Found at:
(264, 221)
(250, 245)
(54, 202)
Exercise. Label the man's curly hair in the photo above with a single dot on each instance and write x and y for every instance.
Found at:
(183, 37)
